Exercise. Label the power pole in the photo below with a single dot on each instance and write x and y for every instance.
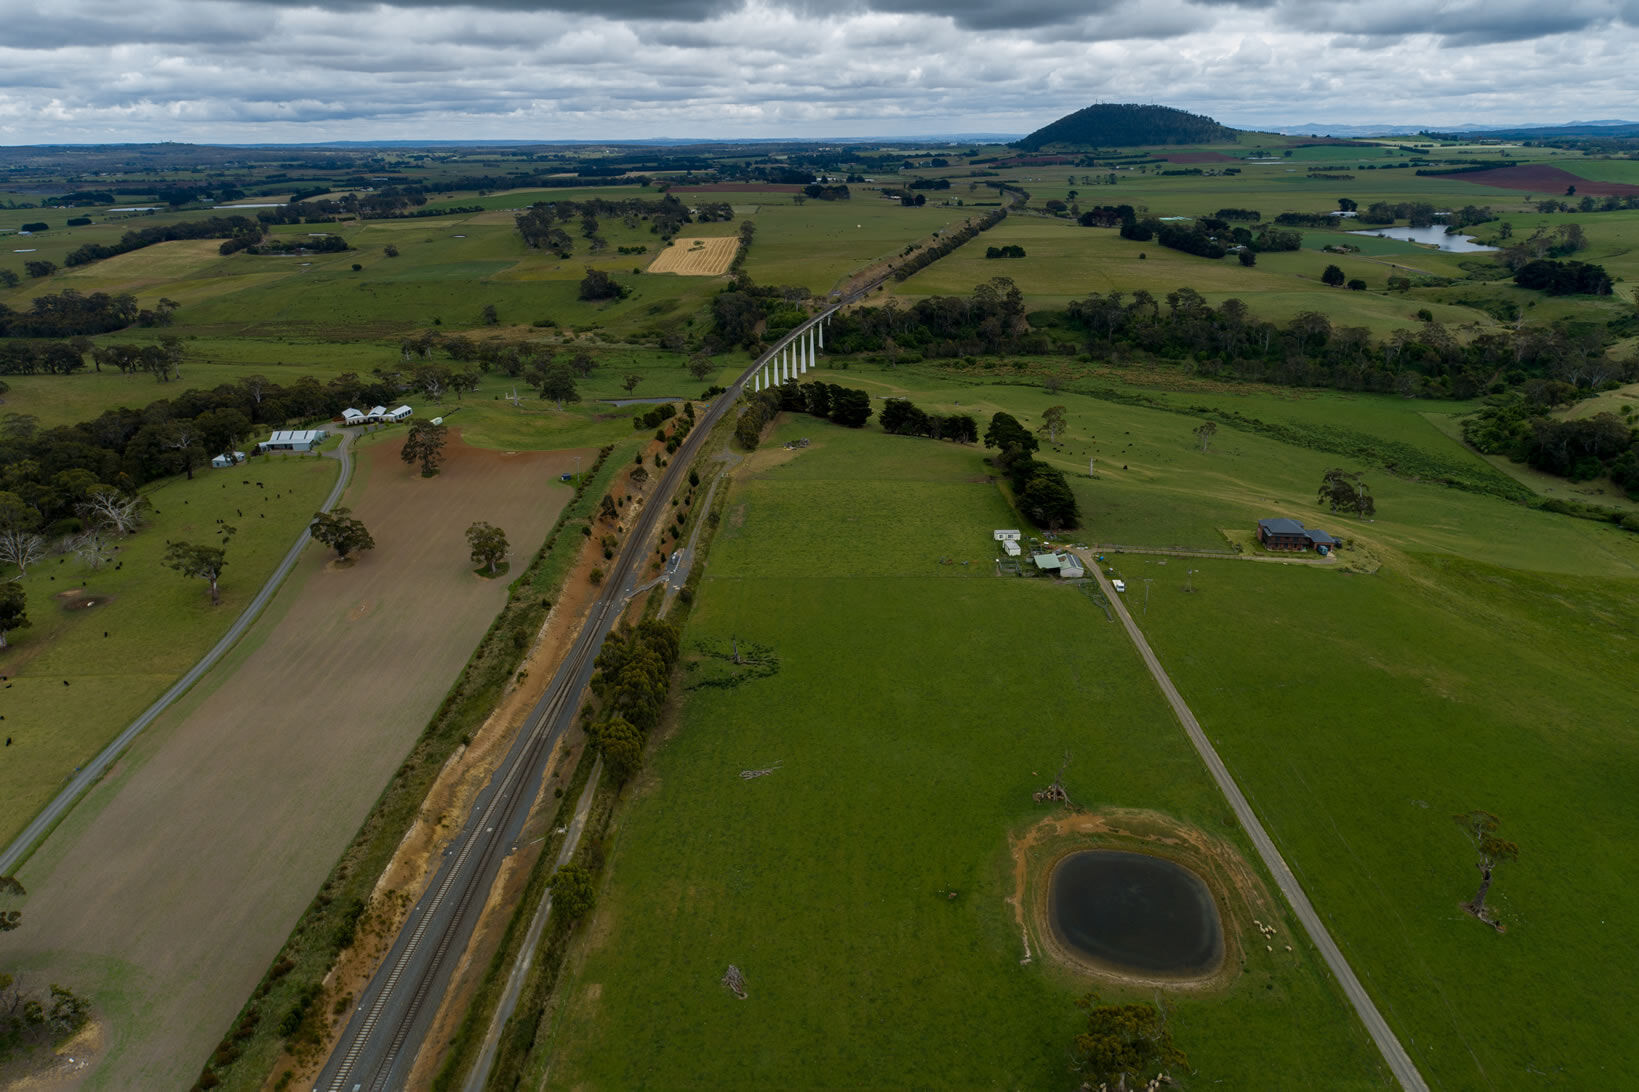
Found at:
(1147, 595)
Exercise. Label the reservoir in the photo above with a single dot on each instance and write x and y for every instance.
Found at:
(1137, 913)
(1431, 236)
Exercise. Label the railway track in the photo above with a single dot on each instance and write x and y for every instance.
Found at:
(386, 1030)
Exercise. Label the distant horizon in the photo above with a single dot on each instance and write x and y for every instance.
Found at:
(1339, 129)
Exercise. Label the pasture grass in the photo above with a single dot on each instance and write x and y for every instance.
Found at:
(1065, 261)
(917, 707)
(820, 243)
(1361, 713)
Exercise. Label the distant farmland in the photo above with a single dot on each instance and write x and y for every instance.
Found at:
(1543, 178)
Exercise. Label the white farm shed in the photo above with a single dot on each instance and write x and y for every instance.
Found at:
(1010, 547)
(222, 462)
(400, 414)
(293, 440)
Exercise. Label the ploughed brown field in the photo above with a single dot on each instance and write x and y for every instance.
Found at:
(1543, 179)
(169, 890)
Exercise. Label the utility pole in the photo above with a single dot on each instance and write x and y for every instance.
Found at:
(1189, 582)
(1147, 580)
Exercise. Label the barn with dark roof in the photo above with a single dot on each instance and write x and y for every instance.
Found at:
(1281, 533)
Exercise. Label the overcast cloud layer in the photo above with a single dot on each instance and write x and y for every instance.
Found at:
(292, 70)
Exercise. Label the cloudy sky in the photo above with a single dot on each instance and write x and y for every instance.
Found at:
(300, 70)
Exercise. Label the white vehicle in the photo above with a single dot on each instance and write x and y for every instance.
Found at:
(1119, 585)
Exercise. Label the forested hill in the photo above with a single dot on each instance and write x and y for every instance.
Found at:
(1114, 125)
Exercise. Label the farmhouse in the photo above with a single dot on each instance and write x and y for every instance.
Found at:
(293, 440)
(351, 416)
(1063, 565)
(1288, 534)
(1009, 541)
(398, 414)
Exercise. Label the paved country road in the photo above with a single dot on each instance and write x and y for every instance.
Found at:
(88, 774)
(1394, 1054)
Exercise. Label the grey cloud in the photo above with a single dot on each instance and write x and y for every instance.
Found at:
(991, 15)
(1459, 23)
(691, 11)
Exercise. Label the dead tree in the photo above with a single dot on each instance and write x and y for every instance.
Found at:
(736, 982)
(1055, 793)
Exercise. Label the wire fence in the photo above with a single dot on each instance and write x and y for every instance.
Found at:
(1170, 551)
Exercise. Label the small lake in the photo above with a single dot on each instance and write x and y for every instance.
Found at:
(1134, 912)
(1431, 236)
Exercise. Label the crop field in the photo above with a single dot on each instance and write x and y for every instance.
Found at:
(170, 889)
(104, 644)
(826, 881)
(696, 257)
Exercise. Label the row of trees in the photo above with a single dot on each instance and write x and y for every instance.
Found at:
(1564, 278)
(1520, 425)
(991, 320)
(633, 674)
(1039, 489)
(216, 227)
(1428, 360)
(842, 405)
(543, 224)
(53, 471)
(903, 418)
(947, 242)
(70, 314)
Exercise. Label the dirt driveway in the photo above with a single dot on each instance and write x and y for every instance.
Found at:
(167, 892)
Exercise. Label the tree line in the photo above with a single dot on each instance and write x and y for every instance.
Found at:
(1518, 424)
(634, 669)
(1229, 341)
(947, 242)
(53, 470)
(543, 224)
(1040, 489)
(842, 405)
(217, 227)
(902, 417)
(69, 314)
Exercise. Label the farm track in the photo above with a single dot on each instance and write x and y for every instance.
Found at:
(1394, 1054)
(387, 1029)
(89, 774)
